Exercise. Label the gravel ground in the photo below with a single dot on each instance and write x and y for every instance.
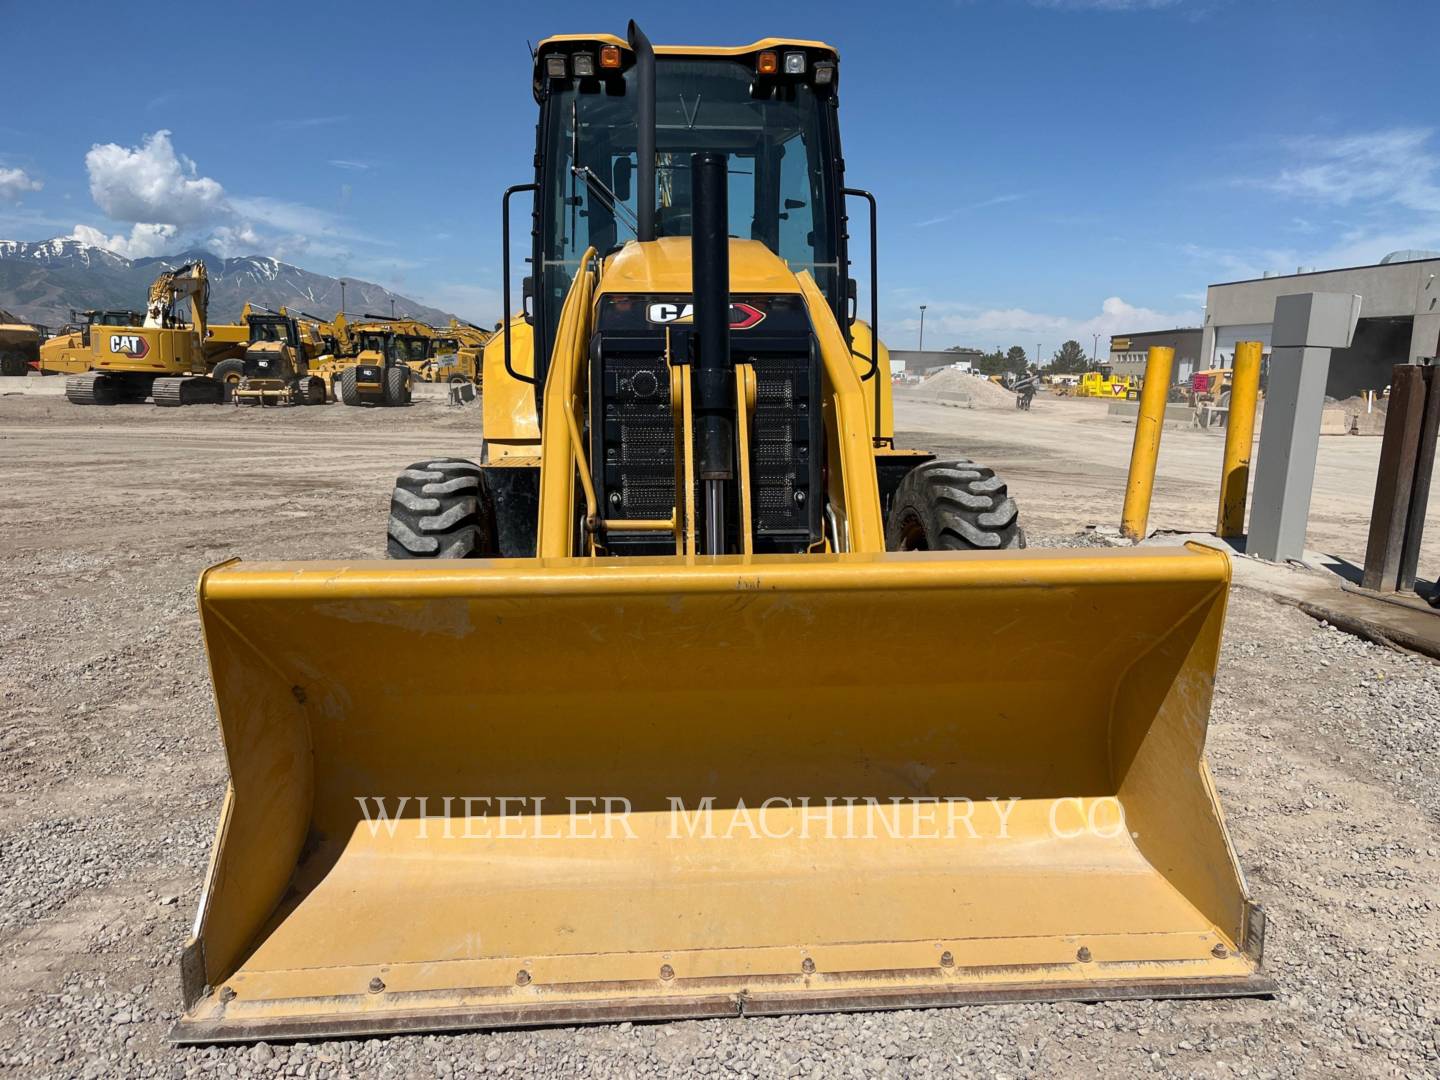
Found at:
(1325, 749)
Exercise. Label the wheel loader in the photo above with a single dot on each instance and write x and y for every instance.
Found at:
(276, 367)
(164, 358)
(746, 710)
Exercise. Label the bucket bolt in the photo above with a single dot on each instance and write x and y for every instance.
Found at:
(947, 959)
(1083, 955)
(667, 972)
(807, 966)
(523, 978)
(1219, 952)
(377, 984)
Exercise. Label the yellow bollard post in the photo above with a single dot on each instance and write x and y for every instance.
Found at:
(1239, 439)
(1148, 424)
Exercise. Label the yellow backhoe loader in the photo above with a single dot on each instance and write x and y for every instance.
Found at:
(165, 357)
(745, 710)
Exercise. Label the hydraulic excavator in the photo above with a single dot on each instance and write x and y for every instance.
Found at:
(164, 357)
(69, 352)
(745, 709)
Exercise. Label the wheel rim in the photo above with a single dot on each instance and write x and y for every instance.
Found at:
(912, 534)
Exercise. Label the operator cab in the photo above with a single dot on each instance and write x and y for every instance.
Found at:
(768, 107)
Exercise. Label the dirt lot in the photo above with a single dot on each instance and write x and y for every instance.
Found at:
(1326, 750)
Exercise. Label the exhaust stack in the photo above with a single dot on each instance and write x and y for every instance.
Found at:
(644, 132)
(714, 380)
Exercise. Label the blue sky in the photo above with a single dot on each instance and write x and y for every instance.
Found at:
(1045, 168)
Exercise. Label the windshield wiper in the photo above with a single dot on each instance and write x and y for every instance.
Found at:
(612, 202)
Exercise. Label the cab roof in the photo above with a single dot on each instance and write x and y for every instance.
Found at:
(689, 50)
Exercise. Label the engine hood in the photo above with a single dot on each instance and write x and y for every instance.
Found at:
(663, 266)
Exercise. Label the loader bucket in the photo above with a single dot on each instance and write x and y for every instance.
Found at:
(479, 794)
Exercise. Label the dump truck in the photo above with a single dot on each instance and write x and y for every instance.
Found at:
(165, 357)
(19, 345)
(746, 710)
(276, 366)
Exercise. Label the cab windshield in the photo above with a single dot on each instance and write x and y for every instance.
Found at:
(776, 142)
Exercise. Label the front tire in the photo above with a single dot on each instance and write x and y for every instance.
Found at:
(397, 385)
(441, 510)
(349, 392)
(953, 506)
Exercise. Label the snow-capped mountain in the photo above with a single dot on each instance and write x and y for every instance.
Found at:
(44, 281)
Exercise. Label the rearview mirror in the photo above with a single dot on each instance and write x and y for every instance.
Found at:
(621, 179)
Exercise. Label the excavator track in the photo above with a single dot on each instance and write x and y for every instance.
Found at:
(92, 388)
(186, 390)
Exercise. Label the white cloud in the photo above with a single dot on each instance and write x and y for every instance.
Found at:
(15, 183)
(151, 183)
(998, 200)
(1381, 190)
(167, 205)
(143, 241)
(989, 328)
(1395, 166)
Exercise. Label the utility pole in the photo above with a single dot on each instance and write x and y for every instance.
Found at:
(1037, 354)
(922, 328)
(392, 307)
(342, 294)
(1095, 349)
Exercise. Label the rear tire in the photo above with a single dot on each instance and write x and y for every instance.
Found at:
(397, 385)
(312, 390)
(441, 510)
(953, 506)
(13, 364)
(349, 393)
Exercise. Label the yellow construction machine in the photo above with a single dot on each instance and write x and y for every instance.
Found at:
(69, 352)
(19, 345)
(745, 710)
(456, 354)
(276, 366)
(379, 373)
(165, 357)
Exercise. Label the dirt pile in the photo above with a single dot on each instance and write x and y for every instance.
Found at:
(980, 392)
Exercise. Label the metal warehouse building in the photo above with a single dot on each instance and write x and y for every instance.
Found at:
(1130, 352)
(1399, 317)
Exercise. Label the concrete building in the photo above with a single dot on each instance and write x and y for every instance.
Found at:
(1399, 317)
(1128, 352)
(915, 362)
